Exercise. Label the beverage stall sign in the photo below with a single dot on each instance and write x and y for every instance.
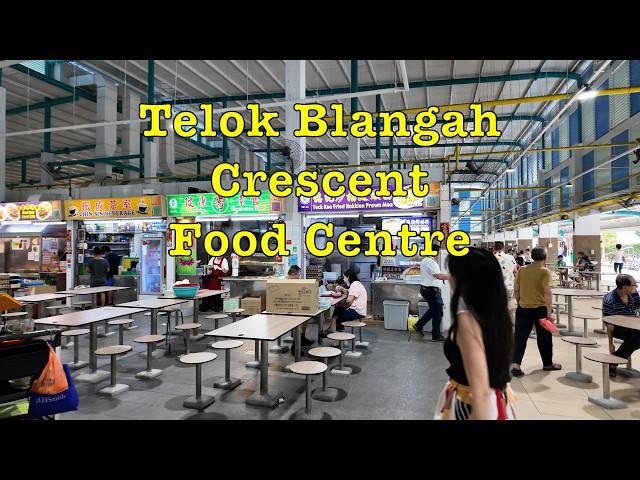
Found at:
(47, 211)
(126, 207)
(201, 204)
(416, 224)
(348, 202)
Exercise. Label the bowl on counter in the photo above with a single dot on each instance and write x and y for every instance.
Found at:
(186, 290)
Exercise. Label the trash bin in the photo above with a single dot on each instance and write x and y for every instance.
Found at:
(396, 313)
(422, 308)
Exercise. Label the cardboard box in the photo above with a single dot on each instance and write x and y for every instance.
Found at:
(44, 289)
(251, 305)
(292, 296)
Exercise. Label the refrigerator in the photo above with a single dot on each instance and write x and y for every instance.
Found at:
(151, 265)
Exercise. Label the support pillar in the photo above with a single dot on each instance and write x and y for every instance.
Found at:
(131, 134)
(445, 217)
(45, 173)
(295, 85)
(3, 140)
(510, 239)
(586, 237)
(167, 158)
(548, 239)
(151, 159)
(106, 137)
(525, 238)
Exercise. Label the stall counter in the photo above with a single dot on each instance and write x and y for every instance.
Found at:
(394, 290)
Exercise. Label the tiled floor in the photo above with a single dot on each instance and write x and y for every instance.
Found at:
(398, 380)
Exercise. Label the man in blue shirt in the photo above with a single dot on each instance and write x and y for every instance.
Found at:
(624, 300)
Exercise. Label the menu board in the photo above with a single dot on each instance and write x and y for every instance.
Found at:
(46, 211)
(50, 262)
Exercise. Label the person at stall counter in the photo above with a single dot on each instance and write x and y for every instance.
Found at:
(219, 269)
(533, 293)
(480, 342)
(295, 273)
(624, 300)
(98, 269)
(508, 267)
(431, 279)
(356, 302)
(113, 259)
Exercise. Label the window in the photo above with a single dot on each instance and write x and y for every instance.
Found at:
(36, 65)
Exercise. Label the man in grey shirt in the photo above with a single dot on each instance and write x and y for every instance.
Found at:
(98, 268)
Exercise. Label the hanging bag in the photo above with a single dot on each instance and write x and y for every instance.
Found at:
(43, 405)
(52, 380)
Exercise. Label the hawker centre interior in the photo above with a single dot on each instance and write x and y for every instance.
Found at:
(310, 239)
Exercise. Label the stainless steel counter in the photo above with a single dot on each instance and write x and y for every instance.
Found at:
(394, 290)
(246, 286)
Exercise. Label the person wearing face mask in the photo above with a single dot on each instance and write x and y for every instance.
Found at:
(624, 300)
(356, 302)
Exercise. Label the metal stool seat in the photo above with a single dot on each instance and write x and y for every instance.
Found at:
(113, 351)
(325, 394)
(77, 364)
(199, 401)
(227, 345)
(579, 342)
(606, 359)
(341, 337)
(150, 341)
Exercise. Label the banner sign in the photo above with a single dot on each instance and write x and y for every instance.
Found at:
(51, 211)
(127, 207)
(202, 204)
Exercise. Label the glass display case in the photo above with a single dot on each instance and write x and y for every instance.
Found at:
(151, 264)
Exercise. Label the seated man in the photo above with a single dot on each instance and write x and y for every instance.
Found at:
(561, 267)
(624, 300)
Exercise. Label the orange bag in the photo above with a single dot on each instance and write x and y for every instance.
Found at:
(52, 380)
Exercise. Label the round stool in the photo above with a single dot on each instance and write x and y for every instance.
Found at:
(55, 309)
(149, 340)
(121, 322)
(603, 330)
(308, 369)
(83, 304)
(216, 317)
(187, 327)
(199, 402)
(325, 394)
(579, 342)
(234, 312)
(341, 337)
(255, 363)
(354, 324)
(113, 351)
(585, 319)
(13, 315)
(558, 312)
(606, 359)
(227, 345)
(77, 364)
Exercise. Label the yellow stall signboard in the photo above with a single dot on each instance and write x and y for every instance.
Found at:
(105, 208)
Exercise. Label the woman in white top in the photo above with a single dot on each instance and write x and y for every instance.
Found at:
(356, 301)
(618, 259)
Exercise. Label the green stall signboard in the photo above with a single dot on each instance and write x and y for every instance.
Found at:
(201, 204)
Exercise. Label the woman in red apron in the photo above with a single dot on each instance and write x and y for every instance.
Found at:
(219, 269)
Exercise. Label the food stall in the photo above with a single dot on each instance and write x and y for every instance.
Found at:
(371, 213)
(33, 244)
(132, 227)
(229, 215)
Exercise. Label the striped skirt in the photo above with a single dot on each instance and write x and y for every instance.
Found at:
(455, 403)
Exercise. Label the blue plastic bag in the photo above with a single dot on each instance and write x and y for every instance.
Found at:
(43, 405)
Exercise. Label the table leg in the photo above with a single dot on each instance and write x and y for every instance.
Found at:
(154, 330)
(570, 331)
(196, 306)
(298, 343)
(263, 398)
(94, 375)
(320, 324)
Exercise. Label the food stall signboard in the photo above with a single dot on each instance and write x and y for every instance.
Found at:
(201, 204)
(349, 202)
(187, 265)
(126, 207)
(46, 211)
(416, 224)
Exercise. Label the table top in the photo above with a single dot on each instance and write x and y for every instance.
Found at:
(202, 293)
(90, 290)
(43, 297)
(577, 292)
(337, 300)
(150, 303)
(626, 321)
(260, 327)
(297, 314)
(86, 317)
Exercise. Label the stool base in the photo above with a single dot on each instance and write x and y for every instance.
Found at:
(115, 390)
(608, 403)
(314, 415)
(197, 337)
(601, 331)
(65, 346)
(253, 364)
(562, 325)
(533, 335)
(78, 366)
(107, 334)
(337, 371)
(279, 349)
(288, 340)
(330, 395)
(628, 372)
(156, 354)
(132, 327)
(198, 403)
(362, 344)
(93, 377)
(148, 374)
(568, 333)
(230, 385)
(262, 400)
(353, 354)
(579, 376)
